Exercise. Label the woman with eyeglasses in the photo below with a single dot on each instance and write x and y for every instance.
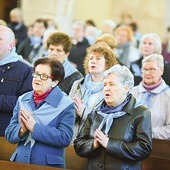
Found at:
(154, 93)
(150, 44)
(43, 119)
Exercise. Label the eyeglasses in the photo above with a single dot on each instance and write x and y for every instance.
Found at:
(151, 70)
(42, 76)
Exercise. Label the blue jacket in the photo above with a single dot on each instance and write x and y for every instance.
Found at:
(53, 130)
(15, 79)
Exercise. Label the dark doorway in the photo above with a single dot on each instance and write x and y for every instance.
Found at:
(6, 6)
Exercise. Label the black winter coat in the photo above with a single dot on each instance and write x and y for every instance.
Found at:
(130, 140)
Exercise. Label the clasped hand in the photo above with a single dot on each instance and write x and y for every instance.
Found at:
(27, 121)
(100, 139)
(79, 106)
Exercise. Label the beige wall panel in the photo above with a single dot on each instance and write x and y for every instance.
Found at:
(34, 9)
(98, 10)
(151, 15)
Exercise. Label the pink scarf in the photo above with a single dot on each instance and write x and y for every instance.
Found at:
(150, 88)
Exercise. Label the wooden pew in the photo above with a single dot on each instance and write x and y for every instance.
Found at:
(158, 160)
(160, 156)
(73, 161)
(6, 149)
(7, 165)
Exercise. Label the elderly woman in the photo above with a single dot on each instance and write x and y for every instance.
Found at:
(150, 44)
(125, 51)
(43, 119)
(87, 92)
(117, 133)
(154, 93)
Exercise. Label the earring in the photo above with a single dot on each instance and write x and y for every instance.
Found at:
(53, 85)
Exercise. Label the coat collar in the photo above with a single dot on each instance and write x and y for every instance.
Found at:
(56, 94)
(129, 107)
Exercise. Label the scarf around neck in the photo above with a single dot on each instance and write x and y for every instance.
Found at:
(90, 89)
(68, 68)
(11, 57)
(40, 97)
(110, 113)
(150, 92)
(150, 88)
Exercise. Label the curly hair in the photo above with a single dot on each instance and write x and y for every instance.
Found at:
(105, 51)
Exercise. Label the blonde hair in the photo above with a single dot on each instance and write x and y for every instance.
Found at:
(127, 29)
(109, 39)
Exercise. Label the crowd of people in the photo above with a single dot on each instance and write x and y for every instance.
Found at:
(104, 92)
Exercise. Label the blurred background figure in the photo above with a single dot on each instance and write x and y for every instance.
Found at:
(107, 40)
(17, 25)
(150, 44)
(125, 51)
(91, 33)
(51, 22)
(30, 47)
(136, 34)
(108, 26)
(126, 18)
(2, 22)
(43, 51)
(90, 22)
(30, 30)
(154, 93)
(79, 45)
(166, 47)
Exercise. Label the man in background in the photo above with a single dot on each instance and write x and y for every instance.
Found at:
(17, 25)
(79, 45)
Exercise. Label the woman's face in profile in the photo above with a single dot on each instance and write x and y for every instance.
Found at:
(114, 90)
(42, 72)
(148, 47)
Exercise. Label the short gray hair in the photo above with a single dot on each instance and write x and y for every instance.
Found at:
(80, 22)
(157, 40)
(123, 73)
(157, 58)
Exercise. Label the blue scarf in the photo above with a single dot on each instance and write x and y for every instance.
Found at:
(90, 89)
(148, 94)
(11, 57)
(110, 113)
(35, 41)
(68, 68)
